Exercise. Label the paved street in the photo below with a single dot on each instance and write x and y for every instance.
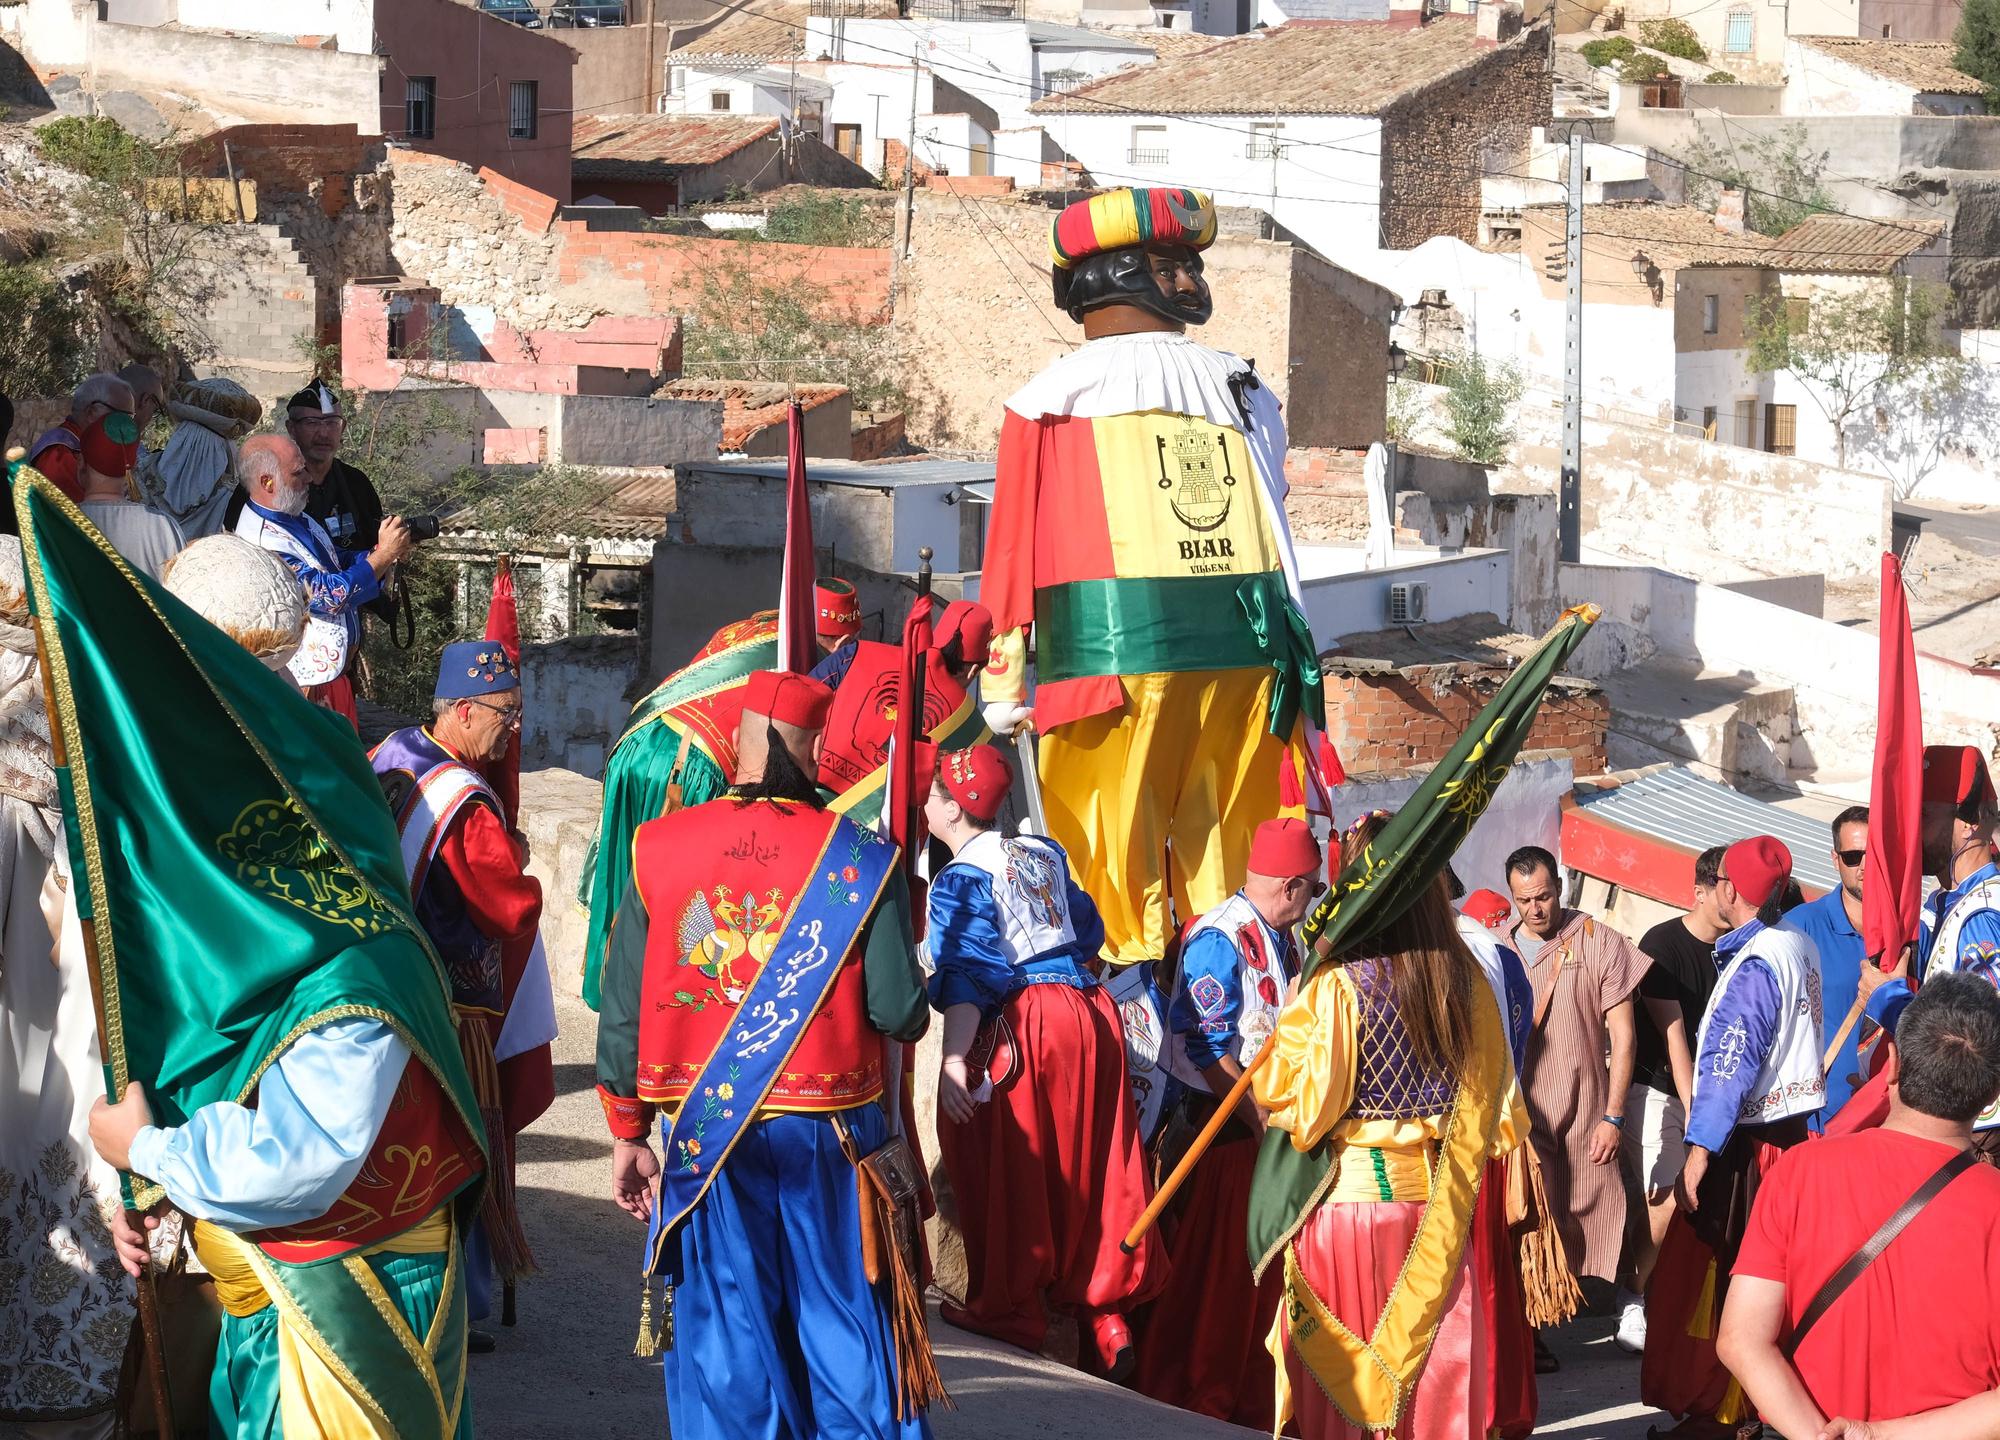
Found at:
(568, 1368)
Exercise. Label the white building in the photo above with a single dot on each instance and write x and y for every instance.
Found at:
(1831, 75)
(1331, 129)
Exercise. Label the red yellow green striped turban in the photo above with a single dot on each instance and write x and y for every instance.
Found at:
(1134, 215)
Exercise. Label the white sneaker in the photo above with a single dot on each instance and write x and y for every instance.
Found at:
(1631, 1322)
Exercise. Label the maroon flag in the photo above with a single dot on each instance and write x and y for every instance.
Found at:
(796, 648)
(503, 625)
(905, 802)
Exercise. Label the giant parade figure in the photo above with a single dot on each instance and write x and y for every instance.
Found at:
(1138, 532)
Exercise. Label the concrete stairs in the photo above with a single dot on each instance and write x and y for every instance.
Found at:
(254, 295)
(1730, 727)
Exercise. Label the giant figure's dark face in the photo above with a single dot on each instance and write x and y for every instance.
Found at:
(1166, 281)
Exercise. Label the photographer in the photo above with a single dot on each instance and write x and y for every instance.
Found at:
(338, 581)
(340, 497)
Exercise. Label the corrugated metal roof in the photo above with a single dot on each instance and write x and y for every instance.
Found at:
(1338, 68)
(1677, 806)
(880, 473)
(616, 147)
(1843, 245)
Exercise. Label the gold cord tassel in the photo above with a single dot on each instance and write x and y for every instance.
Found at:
(498, 1207)
(647, 1345)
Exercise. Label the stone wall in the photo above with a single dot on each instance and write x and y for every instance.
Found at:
(575, 694)
(975, 320)
(1439, 141)
(483, 240)
(325, 87)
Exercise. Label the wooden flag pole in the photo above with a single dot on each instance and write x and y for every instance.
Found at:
(1171, 1185)
(148, 1294)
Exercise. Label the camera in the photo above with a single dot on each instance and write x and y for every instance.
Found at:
(423, 527)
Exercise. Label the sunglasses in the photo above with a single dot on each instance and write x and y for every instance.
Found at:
(1851, 858)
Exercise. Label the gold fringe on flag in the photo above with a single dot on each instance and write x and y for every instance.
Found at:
(509, 1243)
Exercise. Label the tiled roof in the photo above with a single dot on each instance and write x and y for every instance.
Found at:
(1076, 37)
(1352, 67)
(632, 147)
(749, 406)
(1838, 245)
(1166, 44)
(761, 30)
(1673, 236)
(1923, 65)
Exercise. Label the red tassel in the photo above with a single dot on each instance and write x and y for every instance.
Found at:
(1330, 767)
(1291, 795)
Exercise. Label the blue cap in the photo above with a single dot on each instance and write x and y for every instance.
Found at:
(475, 667)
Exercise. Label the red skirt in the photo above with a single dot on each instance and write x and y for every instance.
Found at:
(1510, 1340)
(1203, 1347)
(1351, 1254)
(337, 695)
(1049, 1174)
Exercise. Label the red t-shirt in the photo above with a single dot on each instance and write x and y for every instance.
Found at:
(1933, 1297)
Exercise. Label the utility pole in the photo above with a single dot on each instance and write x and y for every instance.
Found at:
(910, 154)
(1569, 498)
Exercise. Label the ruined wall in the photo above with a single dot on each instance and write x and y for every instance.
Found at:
(1439, 141)
(483, 240)
(249, 300)
(975, 321)
(1384, 718)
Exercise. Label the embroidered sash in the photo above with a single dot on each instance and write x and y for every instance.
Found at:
(1370, 1380)
(443, 784)
(825, 919)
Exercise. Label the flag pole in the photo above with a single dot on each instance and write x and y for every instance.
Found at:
(1172, 1184)
(147, 1294)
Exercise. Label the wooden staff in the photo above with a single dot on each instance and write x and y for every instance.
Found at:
(1164, 1196)
(148, 1295)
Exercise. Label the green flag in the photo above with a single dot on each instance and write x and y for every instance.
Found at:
(1383, 881)
(237, 869)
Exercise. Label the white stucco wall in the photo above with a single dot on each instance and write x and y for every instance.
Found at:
(52, 34)
(955, 144)
(751, 93)
(351, 22)
(1330, 197)
(1818, 83)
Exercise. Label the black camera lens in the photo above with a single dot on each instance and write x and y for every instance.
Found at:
(423, 527)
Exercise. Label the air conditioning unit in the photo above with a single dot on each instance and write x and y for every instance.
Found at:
(1409, 602)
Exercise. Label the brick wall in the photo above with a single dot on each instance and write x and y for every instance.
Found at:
(1438, 141)
(317, 160)
(894, 155)
(1395, 719)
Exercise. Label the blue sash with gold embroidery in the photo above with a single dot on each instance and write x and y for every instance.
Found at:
(824, 922)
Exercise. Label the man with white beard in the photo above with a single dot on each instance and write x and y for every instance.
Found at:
(338, 582)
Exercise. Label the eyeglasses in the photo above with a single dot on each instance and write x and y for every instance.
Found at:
(1851, 858)
(318, 422)
(510, 715)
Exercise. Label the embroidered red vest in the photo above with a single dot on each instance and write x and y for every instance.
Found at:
(718, 882)
(422, 1156)
(856, 741)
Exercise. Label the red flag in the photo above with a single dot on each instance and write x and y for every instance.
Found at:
(503, 625)
(796, 648)
(905, 801)
(1892, 874)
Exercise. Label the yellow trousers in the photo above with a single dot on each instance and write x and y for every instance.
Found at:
(1165, 791)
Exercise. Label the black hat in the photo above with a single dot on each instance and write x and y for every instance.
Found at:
(317, 396)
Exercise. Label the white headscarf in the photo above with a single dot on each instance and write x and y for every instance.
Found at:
(190, 480)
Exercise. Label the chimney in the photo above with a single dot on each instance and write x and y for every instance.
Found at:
(1729, 211)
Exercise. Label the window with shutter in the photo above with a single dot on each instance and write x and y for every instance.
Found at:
(523, 109)
(420, 107)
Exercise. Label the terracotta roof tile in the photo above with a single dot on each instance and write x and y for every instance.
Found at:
(1354, 67)
(1675, 236)
(1840, 245)
(760, 30)
(1923, 65)
(618, 147)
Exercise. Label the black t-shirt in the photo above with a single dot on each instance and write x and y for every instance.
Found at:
(345, 503)
(1683, 971)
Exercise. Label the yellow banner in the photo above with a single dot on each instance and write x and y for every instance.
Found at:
(1181, 498)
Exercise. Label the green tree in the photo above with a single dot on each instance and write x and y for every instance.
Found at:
(1478, 399)
(1608, 51)
(1780, 175)
(1978, 41)
(42, 347)
(1853, 347)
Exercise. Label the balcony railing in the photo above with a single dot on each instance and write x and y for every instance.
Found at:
(569, 15)
(1263, 149)
(1137, 156)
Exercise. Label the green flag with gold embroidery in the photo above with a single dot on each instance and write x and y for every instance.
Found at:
(237, 867)
(1386, 879)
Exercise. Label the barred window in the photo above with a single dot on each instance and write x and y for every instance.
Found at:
(420, 103)
(522, 109)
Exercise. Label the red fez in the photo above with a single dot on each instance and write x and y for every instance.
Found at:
(1757, 867)
(837, 608)
(1489, 907)
(978, 779)
(972, 624)
(1284, 848)
(797, 700)
(1954, 774)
